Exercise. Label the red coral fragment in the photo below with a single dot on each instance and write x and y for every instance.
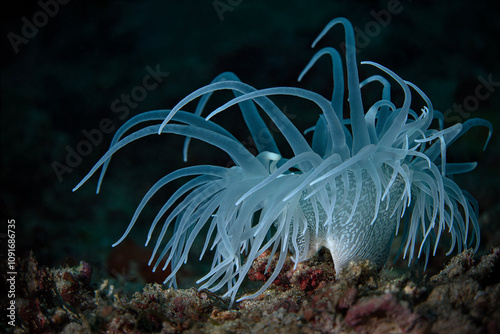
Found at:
(304, 276)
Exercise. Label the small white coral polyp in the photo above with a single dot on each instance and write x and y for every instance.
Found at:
(356, 184)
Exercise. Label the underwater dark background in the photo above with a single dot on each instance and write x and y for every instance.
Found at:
(62, 81)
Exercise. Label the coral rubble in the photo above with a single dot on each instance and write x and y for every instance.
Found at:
(463, 298)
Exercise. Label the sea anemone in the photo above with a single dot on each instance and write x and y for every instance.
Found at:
(348, 189)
